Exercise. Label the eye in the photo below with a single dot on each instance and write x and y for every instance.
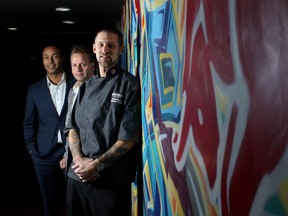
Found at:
(55, 57)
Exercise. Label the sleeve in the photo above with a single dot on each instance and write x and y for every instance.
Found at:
(130, 127)
(70, 118)
(30, 122)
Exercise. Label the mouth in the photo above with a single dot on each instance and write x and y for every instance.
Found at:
(51, 67)
(106, 56)
(79, 74)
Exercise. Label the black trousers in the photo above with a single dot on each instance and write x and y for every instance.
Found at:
(91, 200)
(52, 185)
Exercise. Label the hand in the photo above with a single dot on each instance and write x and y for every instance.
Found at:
(85, 169)
(62, 163)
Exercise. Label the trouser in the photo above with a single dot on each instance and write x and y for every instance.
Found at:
(52, 186)
(87, 199)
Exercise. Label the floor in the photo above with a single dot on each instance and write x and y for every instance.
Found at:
(24, 204)
(22, 209)
(29, 207)
(19, 194)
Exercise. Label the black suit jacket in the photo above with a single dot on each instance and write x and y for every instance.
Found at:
(42, 123)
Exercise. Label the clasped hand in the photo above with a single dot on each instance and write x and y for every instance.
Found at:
(85, 169)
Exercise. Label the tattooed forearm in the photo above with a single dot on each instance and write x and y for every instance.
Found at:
(115, 152)
(74, 143)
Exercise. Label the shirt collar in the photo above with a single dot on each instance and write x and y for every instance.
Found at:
(49, 83)
(112, 72)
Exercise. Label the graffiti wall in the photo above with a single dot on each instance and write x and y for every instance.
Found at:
(215, 104)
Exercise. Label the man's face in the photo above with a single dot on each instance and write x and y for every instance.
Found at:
(82, 68)
(107, 49)
(52, 60)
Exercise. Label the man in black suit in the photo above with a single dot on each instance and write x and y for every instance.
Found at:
(44, 121)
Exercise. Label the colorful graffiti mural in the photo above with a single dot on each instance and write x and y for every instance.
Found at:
(215, 105)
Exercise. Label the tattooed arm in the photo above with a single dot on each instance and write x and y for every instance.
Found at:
(74, 144)
(115, 152)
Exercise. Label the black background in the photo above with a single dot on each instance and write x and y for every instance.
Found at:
(21, 64)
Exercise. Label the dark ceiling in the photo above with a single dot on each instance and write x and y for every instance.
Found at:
(40, 15)
(39, 25)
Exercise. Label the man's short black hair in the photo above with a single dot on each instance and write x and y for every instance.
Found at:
(114, 30)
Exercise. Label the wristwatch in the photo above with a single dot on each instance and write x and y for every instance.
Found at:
(99, 165)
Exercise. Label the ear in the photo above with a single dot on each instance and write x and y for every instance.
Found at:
(93, 65)
(121, 49)
(94, 48)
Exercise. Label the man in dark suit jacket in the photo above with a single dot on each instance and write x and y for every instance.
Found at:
(44, 121)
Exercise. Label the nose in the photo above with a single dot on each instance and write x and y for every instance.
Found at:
(105, 47)
(79, 68)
